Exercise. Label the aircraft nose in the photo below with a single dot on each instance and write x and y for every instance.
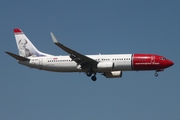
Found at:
(170, 63)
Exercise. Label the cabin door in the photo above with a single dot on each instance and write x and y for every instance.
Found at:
(40, 61)
(152, 59)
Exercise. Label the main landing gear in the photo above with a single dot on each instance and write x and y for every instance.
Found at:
(89, 74)
(93, 78)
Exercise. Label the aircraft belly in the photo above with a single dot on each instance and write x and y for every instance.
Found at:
(62, 67)
(123, 66)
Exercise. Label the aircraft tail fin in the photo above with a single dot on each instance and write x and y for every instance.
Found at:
(25, 47)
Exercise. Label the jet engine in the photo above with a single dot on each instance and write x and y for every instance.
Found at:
(113, 74)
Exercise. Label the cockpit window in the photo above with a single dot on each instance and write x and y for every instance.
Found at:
(162, 58)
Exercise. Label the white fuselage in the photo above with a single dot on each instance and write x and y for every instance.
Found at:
(122, 62)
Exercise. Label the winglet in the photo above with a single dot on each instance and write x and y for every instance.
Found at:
(54, 38)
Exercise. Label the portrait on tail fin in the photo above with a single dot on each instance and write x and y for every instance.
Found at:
(23, 50)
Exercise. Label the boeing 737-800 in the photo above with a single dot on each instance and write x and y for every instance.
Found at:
(110, 65)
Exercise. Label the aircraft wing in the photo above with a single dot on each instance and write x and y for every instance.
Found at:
(83, 60)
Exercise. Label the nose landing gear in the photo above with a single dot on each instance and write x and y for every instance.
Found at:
(156, 74)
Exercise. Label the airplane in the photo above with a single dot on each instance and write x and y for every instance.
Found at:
(109, 65)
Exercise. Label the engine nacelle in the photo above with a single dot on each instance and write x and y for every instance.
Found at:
(105, 65)
(113, 74)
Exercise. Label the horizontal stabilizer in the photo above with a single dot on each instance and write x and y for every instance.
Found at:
(17, 57)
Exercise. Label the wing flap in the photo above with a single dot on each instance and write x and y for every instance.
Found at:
(17, 57)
